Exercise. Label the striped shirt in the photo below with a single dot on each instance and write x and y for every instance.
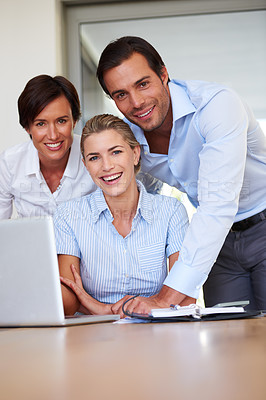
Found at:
(112, 266)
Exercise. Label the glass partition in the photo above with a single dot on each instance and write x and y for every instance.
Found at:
(220, 44)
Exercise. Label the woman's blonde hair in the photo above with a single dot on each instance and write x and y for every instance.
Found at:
(103, 122)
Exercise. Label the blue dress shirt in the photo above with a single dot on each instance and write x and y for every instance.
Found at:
(217, 155)
(112, 266)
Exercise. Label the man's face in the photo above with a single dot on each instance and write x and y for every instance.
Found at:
(141, 96)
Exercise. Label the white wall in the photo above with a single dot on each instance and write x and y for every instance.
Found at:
(30, 45)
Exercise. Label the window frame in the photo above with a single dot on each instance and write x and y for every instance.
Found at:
(79, 12)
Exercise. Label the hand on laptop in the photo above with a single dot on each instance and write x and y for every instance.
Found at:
(88, 304)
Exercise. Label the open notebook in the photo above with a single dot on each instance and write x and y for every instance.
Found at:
(193, 312)
(30, 292)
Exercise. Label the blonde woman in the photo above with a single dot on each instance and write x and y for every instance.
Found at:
(114, 243)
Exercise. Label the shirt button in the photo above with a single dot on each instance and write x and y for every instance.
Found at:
(145, 152)
(171, 159)
(125, 251)
(198, 287)
(126, 275)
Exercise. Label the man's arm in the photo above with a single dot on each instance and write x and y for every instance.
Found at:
(144, 305)
(187, 299)
(223, 124)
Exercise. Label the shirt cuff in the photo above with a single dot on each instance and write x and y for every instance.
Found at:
(186, 280)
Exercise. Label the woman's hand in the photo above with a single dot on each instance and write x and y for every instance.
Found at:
(88, 304)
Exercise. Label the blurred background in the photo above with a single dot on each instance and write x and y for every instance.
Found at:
(214, 40)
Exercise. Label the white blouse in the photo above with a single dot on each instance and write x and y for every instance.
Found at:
(22, 183)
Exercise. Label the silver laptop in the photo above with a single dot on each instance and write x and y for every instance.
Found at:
(30, 292)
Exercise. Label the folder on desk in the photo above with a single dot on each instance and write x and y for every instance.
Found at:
(194, 312)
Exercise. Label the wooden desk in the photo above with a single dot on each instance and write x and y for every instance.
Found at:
(199, 360)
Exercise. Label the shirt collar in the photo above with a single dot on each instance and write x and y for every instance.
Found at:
(144, 204)
(32, 162)
(99, 205)
(181, 103)
(138, 132)
(74, 159)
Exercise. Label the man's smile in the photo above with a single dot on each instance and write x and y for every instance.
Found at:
(145, 114)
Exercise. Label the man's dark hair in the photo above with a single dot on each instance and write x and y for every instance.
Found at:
(122, 49)
(40, 91)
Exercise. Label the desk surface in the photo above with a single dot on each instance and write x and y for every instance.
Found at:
(194, 360)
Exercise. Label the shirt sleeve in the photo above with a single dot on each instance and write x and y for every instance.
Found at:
(65, 239)
(223, 123)
(178, 225)
(6, 198)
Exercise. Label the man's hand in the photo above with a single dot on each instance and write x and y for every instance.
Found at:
(144, 305)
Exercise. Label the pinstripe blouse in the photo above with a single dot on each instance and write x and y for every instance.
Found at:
(112, 266)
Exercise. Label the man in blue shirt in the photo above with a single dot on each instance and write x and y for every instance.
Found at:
(203, 139)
